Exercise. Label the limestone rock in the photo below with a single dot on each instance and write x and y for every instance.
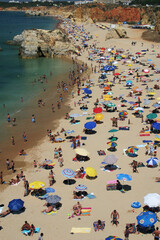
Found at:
(121, 32)
(43, 43)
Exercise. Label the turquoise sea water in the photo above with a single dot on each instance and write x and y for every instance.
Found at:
(16, 74)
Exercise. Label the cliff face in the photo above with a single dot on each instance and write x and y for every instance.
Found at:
(43, 43)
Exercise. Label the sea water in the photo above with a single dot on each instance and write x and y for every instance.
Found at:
(16, 74)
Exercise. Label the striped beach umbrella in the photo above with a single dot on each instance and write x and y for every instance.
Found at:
(67, 172)
(81, 187)
(152, 161)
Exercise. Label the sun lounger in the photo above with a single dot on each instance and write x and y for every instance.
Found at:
(26, 232)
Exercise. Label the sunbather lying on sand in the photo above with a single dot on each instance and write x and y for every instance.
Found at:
(77, 209)
(49, 208)
(5, 213)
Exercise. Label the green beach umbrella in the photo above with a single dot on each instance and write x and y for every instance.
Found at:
(111, 104)
(113, 139)
(151, 116)
(113, 130)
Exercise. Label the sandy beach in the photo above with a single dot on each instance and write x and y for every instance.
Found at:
(58, 226)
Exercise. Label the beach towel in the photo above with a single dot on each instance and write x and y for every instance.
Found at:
(101, 153)
(50, 213)
(1, 208)
(85, 212)
(75, 123)
(80, 230)
(88, 118)
(124, 128)
(144, 134)
(147, 141)
(26, 232)
(83, 138)
(91, 196)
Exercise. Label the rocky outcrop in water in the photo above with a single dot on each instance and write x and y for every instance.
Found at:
(43, 43)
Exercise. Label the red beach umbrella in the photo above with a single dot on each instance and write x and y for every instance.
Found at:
(97, 110)
(138, 53)
(116, 74)
(146, 70)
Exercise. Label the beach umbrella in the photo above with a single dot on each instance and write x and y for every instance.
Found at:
(123, 113)
(90, 125)
(49, 190)
(110, 159)
(151, 116)
(151, 93)
(67, 172)
(36, 185)
(156, 105)
(113, 130)
(112, 144)
(157, 139)
(129, 83)
(152, 200)
(113, 238)
(156, 125)
(147, 102)
(116, 74)
(146, 70)
(111, 104)
(49, 162)
(146, 219)
(138, 53)
(98, 117)
(53, 199)
(91, 172)
(82, 152)
(15, 205)
(81, 187)
(152, 161)
(138, 109)
(97, 110)
(131, 102)
(124, 177)
(113, 139)
(87, 91)
(132, 149)
(110, 93)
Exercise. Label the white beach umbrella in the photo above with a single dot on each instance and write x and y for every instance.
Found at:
(152, 199)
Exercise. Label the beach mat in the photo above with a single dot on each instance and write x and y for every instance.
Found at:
(50, 213)
(86, 211)
(80, 230)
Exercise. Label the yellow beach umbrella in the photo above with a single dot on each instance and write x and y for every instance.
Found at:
(98, 117)
(109, 83)
(158, 98)
(107, 98)
(82, 152)
(123, 56)
(36, 185)
(91, 172)
(129, 65)
(151, 93)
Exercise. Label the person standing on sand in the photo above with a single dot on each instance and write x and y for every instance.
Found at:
(53, 108)
(126, 233)
(13, 141)
(1, 177)
(7, 163)
(24, 137)
(12, 166)
(41, 236)
(115, 217)
(156, 234)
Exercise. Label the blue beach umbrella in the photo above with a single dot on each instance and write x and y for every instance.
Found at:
(146, 219)
(15, 205)
(131, 102)
(156, 105)
(81, 187)
(87, 91)
(90, 125)
(67, 172)
(129, 83)
(124, 177)
(113, 238)
(153, 161)
(156, 125)
(49, 190)
(53, 199)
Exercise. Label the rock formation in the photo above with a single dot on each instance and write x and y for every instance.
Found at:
(116, 33)
(43, 43)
